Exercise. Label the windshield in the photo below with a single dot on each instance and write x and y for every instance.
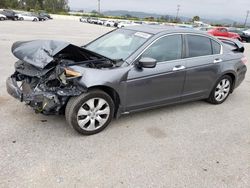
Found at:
(119, 44)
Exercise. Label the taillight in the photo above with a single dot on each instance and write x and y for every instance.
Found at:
(244, 60)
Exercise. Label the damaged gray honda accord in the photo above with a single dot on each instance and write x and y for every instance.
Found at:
(123, 71)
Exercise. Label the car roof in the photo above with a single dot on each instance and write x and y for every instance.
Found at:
(156, 29)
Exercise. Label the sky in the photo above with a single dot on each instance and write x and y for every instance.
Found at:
(220, 9)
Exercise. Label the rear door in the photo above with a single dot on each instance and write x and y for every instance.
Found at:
(202, 66)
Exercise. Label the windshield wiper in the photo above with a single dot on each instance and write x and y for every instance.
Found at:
(72, 63)
(114, 61)
(120, 60)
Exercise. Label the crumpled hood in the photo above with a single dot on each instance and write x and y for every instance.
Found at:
(38, 52)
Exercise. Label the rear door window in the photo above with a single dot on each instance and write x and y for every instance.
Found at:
(198, 46)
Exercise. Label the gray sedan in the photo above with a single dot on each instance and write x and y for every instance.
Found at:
(124, 71)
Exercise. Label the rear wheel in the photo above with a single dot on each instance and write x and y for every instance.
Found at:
(221, 90)
(35, 20)
(1, 18)
(90, 113)
(21, 19)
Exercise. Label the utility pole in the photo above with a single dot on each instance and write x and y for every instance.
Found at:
(245, 23)
(99, 6)
(177, 13)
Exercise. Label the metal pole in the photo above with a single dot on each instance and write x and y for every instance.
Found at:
(99, 6)
(178, 10)
(245, 23)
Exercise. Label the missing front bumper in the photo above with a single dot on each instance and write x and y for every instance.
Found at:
(13, 89)
(41, 102)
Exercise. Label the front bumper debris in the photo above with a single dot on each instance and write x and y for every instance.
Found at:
(13, 89)
(41, 102)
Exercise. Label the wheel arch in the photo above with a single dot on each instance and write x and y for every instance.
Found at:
(232, 76)
(111, 92)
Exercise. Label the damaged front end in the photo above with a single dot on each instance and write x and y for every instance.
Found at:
(46, 94)
(44, 78)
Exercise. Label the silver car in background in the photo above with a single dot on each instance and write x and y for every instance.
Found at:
(2, 17)
(126, 70)
(27, 17)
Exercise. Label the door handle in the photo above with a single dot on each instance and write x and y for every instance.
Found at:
(217, 60)
(178, 68)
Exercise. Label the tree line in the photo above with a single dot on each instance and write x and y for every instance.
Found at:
(52, 6)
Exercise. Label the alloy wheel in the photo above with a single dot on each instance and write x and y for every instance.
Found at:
(93, 114)
(222, 90)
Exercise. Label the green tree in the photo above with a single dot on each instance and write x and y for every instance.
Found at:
(2, 3)
(151, 18)
(48, 5)
(196, 18)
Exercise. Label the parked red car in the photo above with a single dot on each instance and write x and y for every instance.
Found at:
(223, 32)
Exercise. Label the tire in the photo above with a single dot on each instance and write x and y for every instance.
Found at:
(219, 89)
(1, 18)
(21, 19)
(35, 20)
(85, 120)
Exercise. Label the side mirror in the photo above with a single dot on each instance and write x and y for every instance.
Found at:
(147, 62)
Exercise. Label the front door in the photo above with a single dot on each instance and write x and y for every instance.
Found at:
(147, 87)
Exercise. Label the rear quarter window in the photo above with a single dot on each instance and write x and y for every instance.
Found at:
(216, 47)
(229, 44)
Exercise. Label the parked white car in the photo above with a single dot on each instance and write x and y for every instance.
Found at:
(205, 29)
(2, 17)
(100, 22)
(84, 19)
(109, 23)
(247, 32)
(126, 23)
(27, 17)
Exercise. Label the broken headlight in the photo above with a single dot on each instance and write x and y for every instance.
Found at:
(69, 73)
(65, 74)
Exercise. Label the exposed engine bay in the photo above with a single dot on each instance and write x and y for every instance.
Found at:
(44, 78)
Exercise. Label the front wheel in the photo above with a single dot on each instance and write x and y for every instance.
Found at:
(91, 112)
(221, 90)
